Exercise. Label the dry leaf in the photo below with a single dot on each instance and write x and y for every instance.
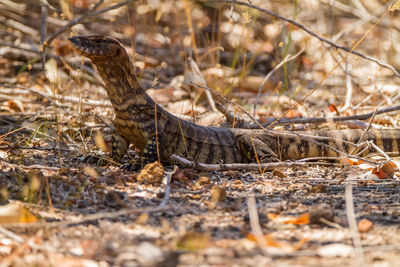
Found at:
(302, 219)
(194, 241)
(197, 76)
(15, 213)
(163, 95)
(271, 242)
(16, 105)
(385, 171)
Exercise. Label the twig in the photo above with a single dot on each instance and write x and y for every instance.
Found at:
(84, 219)
(283, 121)
(11, 235)
(52, 8)
(241, 166)
(329, 223)
(43, 31)
(384, 65)
(387, 157)
(266, 78)
(368, 127)
(167, 188)
(255, 224)
(351, 218)
(365, 131)
(349, 88)
(11, 45)
(112, 7)
(37, 148)
(198, 77)
(73, 22)
(358, 13)
(60, 98)
(90, 13)
(231, 11)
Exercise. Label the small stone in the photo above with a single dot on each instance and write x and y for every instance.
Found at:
(365, 225)
(149, 254)
(336, 250)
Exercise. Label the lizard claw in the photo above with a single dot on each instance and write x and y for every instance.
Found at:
(131, 167)
(98, 160)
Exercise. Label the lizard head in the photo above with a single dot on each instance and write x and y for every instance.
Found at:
(112, 62)
(97, 47)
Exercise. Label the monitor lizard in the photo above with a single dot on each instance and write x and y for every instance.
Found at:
(159, 134)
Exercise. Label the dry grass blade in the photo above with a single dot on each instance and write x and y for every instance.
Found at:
(395, 6)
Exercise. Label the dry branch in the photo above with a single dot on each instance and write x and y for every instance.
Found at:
(304, 28)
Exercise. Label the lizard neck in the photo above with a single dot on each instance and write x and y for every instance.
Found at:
(121, 82)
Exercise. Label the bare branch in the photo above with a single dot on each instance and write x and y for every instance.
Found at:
(304, 28)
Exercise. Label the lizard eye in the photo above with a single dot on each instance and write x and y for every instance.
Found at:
(117, 53)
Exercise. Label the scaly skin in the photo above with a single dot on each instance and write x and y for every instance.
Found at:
(159, 134)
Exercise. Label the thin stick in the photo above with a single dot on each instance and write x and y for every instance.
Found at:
(85, 219)
(60, 98)
(11, 235)
(351, 218)
(243, 166)
(255, 224)
(365, 131)
(71, 23)
(167, 192)
(284, 121)
(43, 31)
(349, 88)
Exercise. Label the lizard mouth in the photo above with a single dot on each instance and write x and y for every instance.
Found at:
(94, 46)
(82, 45)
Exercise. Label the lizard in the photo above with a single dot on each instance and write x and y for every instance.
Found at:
(159, 134)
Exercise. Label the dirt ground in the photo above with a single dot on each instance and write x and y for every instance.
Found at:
(58, 207)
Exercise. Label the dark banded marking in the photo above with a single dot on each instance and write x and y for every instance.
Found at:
(188, 131)
(229, 134)
(386, 139)
(175, 135)
(305, 147)
(199, 146)
(211, 137)
(395, 140)
(221, 147)
(323, 151)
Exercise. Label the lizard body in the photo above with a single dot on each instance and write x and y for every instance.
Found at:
(159, 134)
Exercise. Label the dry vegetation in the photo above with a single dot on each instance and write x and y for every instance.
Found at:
(60, 210)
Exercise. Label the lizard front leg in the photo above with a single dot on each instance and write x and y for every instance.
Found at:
(119, 147)
(152, 151)
(255, 149)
